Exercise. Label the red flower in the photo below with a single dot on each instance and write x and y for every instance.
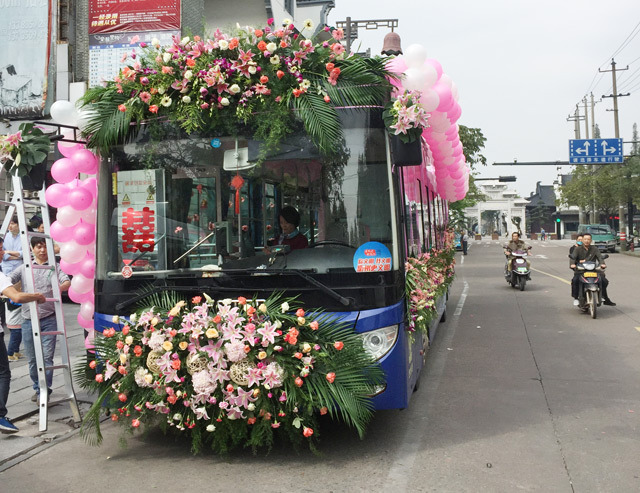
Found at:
(175, 364)
(92, 364)
(125, 330)
(327, 99)
(119, 344)
(298, 355)
(314, 325)
(196, 299)
(307, 432)
(233, 44)
(330, 377)
(299, 381)
(280, 74)
(122, 107)
(123, 397)
(114, 417)
(137, 351)
(190, 62)
(297, 92)
(153, 108)
(264, 79)
(251, 421)
(99, 378)
(242, 300)
(217, 319)
(323, 410)
(171, 399)
(300, 312)
(251, 310)
(259, 33)
(122, 370)
(135, 422)
(338, 345)
(262, 46)
(173, 332)
(329, 66)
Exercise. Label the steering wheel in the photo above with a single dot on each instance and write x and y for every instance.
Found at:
(332, 242)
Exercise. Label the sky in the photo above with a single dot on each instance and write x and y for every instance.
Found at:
(521, 67)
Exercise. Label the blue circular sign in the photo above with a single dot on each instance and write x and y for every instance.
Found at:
(215, 143)
(372, 257)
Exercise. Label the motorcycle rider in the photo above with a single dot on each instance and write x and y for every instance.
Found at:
(578, 244)
(515, 244)
(588, 253)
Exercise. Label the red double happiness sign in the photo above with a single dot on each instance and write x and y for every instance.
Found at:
(110, 16)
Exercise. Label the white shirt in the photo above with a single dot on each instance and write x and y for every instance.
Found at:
(5, 282)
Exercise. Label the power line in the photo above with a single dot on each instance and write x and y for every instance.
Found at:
(623, 45)
(630, 79)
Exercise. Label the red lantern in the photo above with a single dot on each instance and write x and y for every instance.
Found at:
(237, 182)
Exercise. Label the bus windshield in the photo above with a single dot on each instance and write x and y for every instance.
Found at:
(196, 204)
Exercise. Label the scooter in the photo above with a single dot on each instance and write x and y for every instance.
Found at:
(590, 286)
(520, 273)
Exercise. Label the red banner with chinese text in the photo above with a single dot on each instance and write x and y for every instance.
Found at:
(108, 16)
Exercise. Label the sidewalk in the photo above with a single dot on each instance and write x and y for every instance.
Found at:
(24, 413)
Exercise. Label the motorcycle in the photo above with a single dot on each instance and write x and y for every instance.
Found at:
(590, 286)
(520, 273)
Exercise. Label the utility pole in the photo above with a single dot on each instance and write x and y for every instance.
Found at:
(576, 121)
(615, 96)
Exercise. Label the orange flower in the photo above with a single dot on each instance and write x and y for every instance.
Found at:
(259, 33)
(242, 300)
(233, 44)
(327, 99)
(153, 108)
(297, 92)
(175, 364)
(114, 417)
(92, 365)
(196, 299)
(283, 44)
(338, 345)
(300, 312)
(217, 319)
(167, 70)
(173, 332)
(137, 350)
(251, 310)
(330, 377)
(125, 330)
(329, 66)
(280, 74)
(122, 397)
(262, 46)
(307, 432)
(247, 349)
(171, 399)
(251, 421)
(264, 79)
(298, 355)
(298, 381)
(135, 422)
(190, 62)
(122, 107)
(314, 325)
(122, 370)
(323, 410)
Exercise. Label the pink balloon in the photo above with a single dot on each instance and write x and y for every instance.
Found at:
(89, 340)
(60, 233)
(80, 198)
(68, 150)
(452, 130)
(457, 151)
(439, 121)
(91, 184)
(86, 310)
(84, 322)
(397, 65)
(84, 233)
(63, 170)
(80, 297)
(454, 113)
(89, 214)
(72, 252)
(435, 64)
(444, 93)
(88, 266)
(85, 161)
(57, 195)
(69, 268)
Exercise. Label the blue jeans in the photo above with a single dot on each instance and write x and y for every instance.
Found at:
(47, 324)
(14, 341)
(5, 377)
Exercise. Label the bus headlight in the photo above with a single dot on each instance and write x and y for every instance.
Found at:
(380, 341)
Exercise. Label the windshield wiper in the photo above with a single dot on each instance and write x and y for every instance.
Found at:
(194, 247)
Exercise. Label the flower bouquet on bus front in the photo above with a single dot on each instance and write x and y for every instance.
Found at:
(232, 373)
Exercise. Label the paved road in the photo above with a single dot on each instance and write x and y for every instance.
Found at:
(520, 392)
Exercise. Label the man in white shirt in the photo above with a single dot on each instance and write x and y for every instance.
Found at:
(7, 289)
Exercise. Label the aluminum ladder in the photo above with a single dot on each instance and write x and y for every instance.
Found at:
(17, 206)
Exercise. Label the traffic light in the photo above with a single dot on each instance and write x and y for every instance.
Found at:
(557, 219)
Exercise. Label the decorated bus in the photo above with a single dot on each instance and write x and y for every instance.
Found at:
(265, 171)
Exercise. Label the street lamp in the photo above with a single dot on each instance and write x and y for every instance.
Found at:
(350, 27)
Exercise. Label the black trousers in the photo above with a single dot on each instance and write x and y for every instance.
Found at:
(575, 282)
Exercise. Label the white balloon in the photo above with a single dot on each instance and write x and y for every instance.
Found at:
(415, 55)
(446, 80)
(414, 79)
(71, 252)
(454, 91)
(86, 309)
(67, 216)
(81, 284)
(89, 214)
(64, 113)
(84, 114)
(430, 100)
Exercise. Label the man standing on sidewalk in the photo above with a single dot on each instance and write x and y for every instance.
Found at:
(7, 289)
(43, 279)
(11, 260)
